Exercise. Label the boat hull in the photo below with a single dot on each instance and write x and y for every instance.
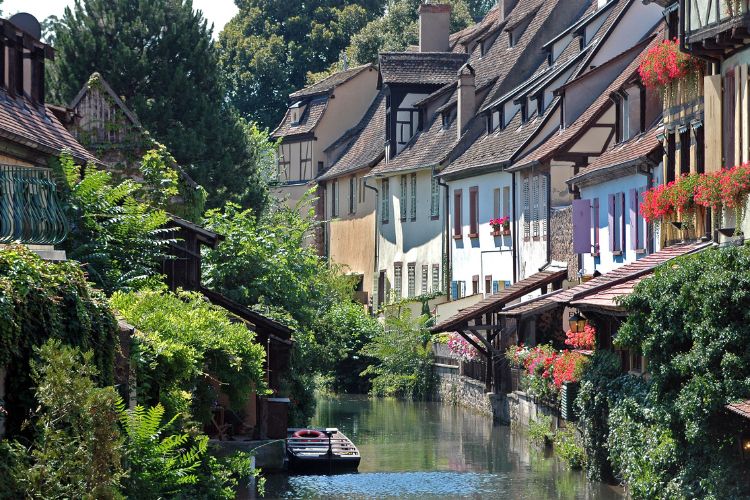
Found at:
(319, 454)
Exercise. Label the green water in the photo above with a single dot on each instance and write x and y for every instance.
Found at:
(430, 450)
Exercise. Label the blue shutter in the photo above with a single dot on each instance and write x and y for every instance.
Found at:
(495, 286)
(454, 290)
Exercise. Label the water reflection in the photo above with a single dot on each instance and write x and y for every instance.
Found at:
(423, 450)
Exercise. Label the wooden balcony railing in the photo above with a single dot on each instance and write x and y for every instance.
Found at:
(709, 15)
(29, 209)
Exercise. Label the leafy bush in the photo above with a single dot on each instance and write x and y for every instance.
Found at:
(40, 300)
(184, 344)
(592, 407)
(567, 447)
(403, 366)
(119, 239)
(540, 431)
(78, 447)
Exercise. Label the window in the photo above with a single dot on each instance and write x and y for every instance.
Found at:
(474, 212)
(535, 206)
(398, 280)
(446, 117)
(425, 277)
(411, 270)
(506, 201)
(334, 199)
(284, 162)
(321, 167)
(496, 202)
(435, 278)
(671, 151)
(384, 212)
(407, 120)
(637, 223)
(413, 200)
(361, 190)
(543, 204)
(352, 194)
(685, 151)
(457, 229)
(475, 284)
(625, 113)
(434, 198)
(728, 118)
(526, 210)
(488, 284)
(616, 222)
(495, 120)
(458, 289)
(402, 198)
(700, 153)
(305, 160)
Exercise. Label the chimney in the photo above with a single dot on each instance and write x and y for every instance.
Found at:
(505, 7)
(434, 27)
(467, 97)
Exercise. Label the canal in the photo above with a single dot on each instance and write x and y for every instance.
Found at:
(430, 450)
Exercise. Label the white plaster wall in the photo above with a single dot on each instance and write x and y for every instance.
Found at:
(486, 255)
(419, 241)
(629, 30)
(607, 261)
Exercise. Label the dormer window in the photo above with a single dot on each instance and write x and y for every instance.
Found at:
(495, 120)
(297, 111)
(524, 111)
(447, 118)
(540, 104)
(483, 46)
(511, 40)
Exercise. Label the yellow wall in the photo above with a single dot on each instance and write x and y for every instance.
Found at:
(352, 243)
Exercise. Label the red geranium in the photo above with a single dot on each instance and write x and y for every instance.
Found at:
(582, 340)
(657, 203)
(665, 63)
(568, 367)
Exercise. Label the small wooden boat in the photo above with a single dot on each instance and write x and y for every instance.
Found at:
(320, 450)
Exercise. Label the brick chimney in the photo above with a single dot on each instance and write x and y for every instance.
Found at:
(434, 27)
(505, 7)
(467, 97)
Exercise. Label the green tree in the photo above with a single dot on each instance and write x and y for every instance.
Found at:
(159, 56)
(270, 46)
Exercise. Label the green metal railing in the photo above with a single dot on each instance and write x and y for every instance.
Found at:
(29, 209)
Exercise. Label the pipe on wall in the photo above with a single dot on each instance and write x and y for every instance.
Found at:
(446, 238)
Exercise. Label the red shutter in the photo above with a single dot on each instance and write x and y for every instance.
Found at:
(611, 221)
(582, 226)
(474, 210)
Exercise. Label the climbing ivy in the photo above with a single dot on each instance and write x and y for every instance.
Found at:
(40, 300)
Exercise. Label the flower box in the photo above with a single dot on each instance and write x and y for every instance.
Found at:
(496, 232)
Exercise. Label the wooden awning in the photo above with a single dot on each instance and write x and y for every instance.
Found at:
(497, 301)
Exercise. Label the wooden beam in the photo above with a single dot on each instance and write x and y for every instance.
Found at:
(471, 341)
(483, 327)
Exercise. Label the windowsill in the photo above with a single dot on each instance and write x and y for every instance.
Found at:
(536, 238)
(473, 235)
(458, 236)
(595, 254)
(413, 219)
(617, 253)
(434, 217)
(640, 250)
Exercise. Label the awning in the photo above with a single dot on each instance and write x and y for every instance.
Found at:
(496, 302)
(532, 307)
(605, 299)
(741, 408)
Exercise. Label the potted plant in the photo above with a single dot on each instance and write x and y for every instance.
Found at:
(681, 195)
(664, 65)
(735, 185)
(657, 204)
(500, 225)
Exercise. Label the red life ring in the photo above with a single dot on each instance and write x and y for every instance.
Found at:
(308, 433)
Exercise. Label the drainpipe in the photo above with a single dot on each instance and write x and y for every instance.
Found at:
(549, 222)
(446, 238)
(377, 240)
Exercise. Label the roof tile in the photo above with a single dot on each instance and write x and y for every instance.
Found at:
(310, 118)
(424, 68)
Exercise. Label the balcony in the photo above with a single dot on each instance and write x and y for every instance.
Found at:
(715, 27)
(29, 209)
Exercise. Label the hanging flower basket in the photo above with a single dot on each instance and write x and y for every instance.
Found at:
(500, 225)
(664, 64)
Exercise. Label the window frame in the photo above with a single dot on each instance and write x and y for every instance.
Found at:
(457, 216)
(385, 187)
(413, 198)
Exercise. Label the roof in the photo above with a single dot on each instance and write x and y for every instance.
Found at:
(420, 68)
(741, 408)
(635, 150)
(281, 333)
(329, 83)
(568, 135)
(605, 298)
(206, 235)
(533, 306)
(97, 78)
(368, 144)
(498, 300)
(310, 119)
(36, 127)
(629, 272)
(425, 149)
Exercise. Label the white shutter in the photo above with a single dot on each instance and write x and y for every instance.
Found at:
(526, 211)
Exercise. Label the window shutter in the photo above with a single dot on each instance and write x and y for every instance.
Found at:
(454, 290)
(495, 286)
(611, 221)
(425, 274)
(582, 226)
(457, 212)
(595, 210)
(473, 210)
(526, 211)
(413, 197)
(496, 203)
(506, 202)
(623, 227)
(634, 222)
(402, 200)
(462, 288)
(728, 119)
(435, 198)
(535, 205)
(643, 232)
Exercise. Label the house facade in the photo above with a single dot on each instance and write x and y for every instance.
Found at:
(318, 116)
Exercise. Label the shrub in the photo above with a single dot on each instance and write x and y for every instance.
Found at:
(540, 431)
(567, 447)
(184, 347)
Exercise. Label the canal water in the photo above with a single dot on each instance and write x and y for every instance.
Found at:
(430, 450)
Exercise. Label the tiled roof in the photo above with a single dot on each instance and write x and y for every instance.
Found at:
(36, 127)
(368, 145)
(741, 408)
(310, 118)
(496, 301)
(425, 149)
(423, 68)
(327, 84)
(628, 272)
(460, 38)
(534, 306)
(632, 150)
(605, 298)
(566, 136)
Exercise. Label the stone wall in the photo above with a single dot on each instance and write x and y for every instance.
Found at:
(455, 389)
(523, 409)
(561, 234)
